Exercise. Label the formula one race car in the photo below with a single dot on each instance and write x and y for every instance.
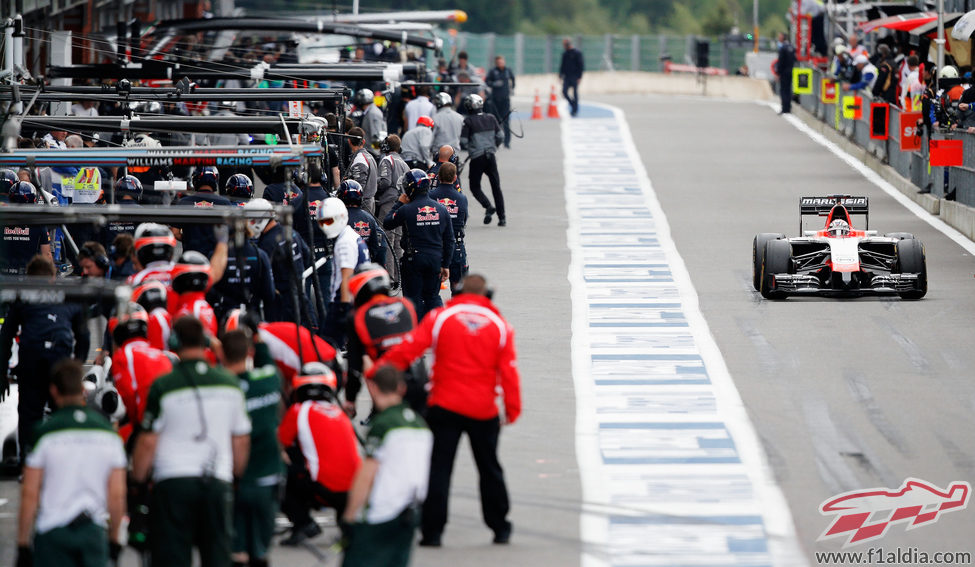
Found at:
(838, 260)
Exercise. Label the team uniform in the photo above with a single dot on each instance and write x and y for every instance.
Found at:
(255, 504)
(18, 244)
(400, 441)
(325, 458)
(378, 325)
(456, 205)
(364, 170)
(273, 243)
(243, 284)
(282, 342)
(200, 237)
(428, 246)
(135, 366)
(77, 450)
(365, 225)
(195, 410)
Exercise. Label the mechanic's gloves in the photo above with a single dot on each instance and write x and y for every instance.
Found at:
(222, 233)
(25, 556)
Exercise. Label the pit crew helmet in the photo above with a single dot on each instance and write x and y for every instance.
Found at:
(415, 182)
(948, 72)
(425, 121)
(129, 325)
(150, 295)
(474, 103)
(315, 382)
(154, 243)
(8, 178)
(207, 176)
(191, 272)
(129, 185)
(350, 192)
(239, 186)
(442, 100)
(257, 226)
(22, 192)
(364, 97)
(332, 217)
(369, 280)
(839, 228)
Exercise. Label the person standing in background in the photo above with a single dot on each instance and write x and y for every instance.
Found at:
(570, 71)
(783, 68)
(501, 81)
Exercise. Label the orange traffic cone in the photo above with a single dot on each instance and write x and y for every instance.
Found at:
(537, 108)
(553, 105)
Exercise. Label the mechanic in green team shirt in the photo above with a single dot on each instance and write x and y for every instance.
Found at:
(74, 480)
(255, 505)
(384, 503)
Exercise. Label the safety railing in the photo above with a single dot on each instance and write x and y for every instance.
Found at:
(913, 165)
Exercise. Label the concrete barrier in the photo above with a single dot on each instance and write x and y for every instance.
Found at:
(629, 82)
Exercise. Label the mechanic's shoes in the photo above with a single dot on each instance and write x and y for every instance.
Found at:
(503, 536)
(487, 214)
(301, 535)
(502, 222)
(430, 541)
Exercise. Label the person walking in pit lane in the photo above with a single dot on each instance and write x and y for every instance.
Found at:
(428, 241)
(481, 137)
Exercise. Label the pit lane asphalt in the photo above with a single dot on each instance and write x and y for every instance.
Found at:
(845, 394)
(526, 263)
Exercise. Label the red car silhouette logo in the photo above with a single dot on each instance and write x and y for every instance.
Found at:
(865, 515)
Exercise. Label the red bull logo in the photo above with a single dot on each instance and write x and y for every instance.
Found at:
(865, 515)
(203, 204)
(362, 228)
(427, 210)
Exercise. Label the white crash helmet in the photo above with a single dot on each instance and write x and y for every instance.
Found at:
(839, 228)
(332, 217)
(257, 226)
(948, 72)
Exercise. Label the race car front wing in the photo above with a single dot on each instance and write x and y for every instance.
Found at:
(810, 284)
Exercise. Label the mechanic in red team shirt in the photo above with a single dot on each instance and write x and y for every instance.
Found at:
(281, 339)
(155, 246)
(135, 364)
(152, 297)
(322, 449)
(474, 353)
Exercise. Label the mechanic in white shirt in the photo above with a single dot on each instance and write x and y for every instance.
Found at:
(347, 253)
(420, 106)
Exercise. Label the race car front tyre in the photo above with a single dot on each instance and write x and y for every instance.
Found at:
(758, 249)
(911, 260)
(777, 260)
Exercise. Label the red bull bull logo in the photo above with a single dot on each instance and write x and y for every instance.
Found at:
(428, 210)
(865, 515)
(362, 228)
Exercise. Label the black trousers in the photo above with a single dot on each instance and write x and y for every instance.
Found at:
(487, 164)
(785, 91)
(302, 493)
(421, 282)
(447, 428)
(573, 85)
(33, 388)
(502, 111)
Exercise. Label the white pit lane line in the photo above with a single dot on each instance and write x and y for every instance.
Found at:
(673, 472)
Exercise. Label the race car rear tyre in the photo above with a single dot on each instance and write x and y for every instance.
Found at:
(758, 249)
(900, 235)
(911, 260)
(777, 260)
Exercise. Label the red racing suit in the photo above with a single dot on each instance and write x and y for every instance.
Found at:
(473, 352)
(135, 366)
(326, 439)
(194, 304)
(282, 340)
(160, 325)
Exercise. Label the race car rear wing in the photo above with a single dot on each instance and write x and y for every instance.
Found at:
(821, 206)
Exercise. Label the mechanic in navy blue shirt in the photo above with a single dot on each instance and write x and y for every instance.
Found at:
(128, 193)
(244, 284)
(455, 202)
(363, 223)
(446, 154)
(428, 242)
(18, 244)
(200, 237)
(272, 239)
(49, 332)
